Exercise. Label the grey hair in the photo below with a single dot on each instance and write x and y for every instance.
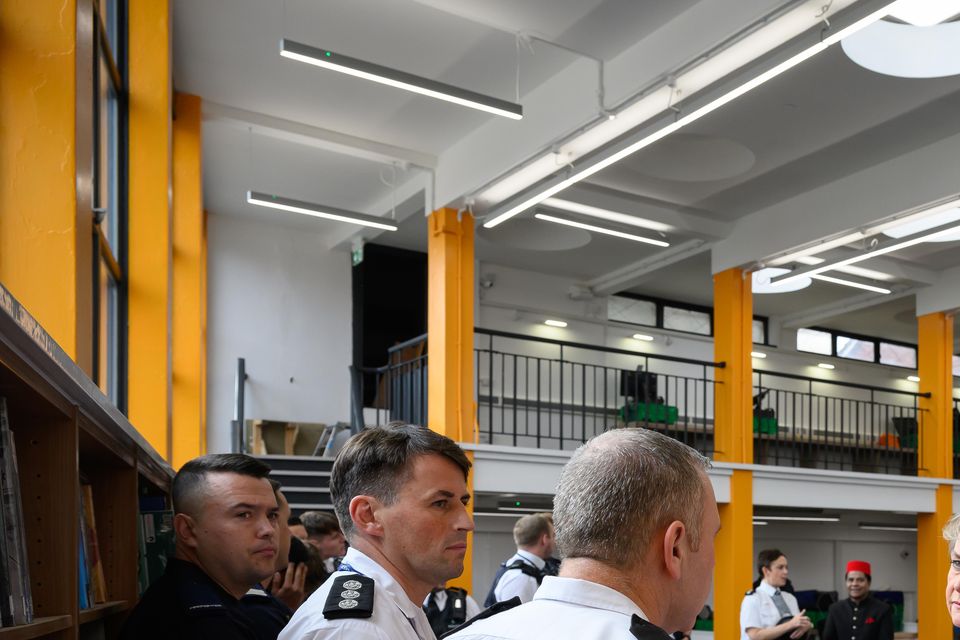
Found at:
(951, 530)
(378, 461)
(621, 487)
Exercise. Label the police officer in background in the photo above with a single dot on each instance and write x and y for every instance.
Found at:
(523, 572)
(769, 612)
(400, 495)
(449, 607)
(636, 518)
(226, 523)
(861, 616)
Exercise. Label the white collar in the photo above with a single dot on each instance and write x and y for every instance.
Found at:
(587, 594)
(767, 588)
(369, 567)
(532, 558)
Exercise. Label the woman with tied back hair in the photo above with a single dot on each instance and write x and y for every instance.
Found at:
(769, 612)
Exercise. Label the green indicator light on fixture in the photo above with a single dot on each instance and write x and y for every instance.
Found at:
(517, 503)
(329, 54)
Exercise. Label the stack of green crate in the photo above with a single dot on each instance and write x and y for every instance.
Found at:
(763, 424)
(649, 412)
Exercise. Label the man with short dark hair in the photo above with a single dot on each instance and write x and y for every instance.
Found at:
(226, 525)
(400, 495)
(324, 535)
(635, 518)
(523, 572)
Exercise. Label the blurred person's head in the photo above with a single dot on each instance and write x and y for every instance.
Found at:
(773, 567)
(323, 532)
(534, 533)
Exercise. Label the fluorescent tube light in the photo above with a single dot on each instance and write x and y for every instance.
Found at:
(319, 211)
(758, 354)
(826, 365)
(712, 70)
(609, 232)
(523, 509)
(642, 337)
(913, 378)
(760, 523)
(882, 248)
(927, 222)
(399, 79)
(605, 214)
(851, 283)
(801, 518)
(555, 323)
(872, 274)
(885, 527)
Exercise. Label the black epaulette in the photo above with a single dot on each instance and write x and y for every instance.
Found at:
(350, 596)
(499, 607)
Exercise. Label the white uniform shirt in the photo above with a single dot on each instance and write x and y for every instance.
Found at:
(394, 614)
(562, 608)
(758, 609)
(516, 582)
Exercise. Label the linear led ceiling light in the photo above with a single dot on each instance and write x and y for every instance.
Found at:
(882, 247)
(399, 79)
(605, 214)
(851, 283)
(879, 526)
(800, 518)
(872, 274)
(319, 211)
(686, 83)
(609, 232)
(555, 323)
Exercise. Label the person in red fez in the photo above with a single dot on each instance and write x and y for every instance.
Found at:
(861, 616)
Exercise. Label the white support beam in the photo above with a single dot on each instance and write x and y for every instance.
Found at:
(632, 274)
(317, 137)
(816, 315)
(412, 198)
(845, 205)
(944, 295)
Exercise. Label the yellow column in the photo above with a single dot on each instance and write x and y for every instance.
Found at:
(935, 460)
(450, 335)
(189, 432)
(733, 442)
(150, 223)
(46, 217)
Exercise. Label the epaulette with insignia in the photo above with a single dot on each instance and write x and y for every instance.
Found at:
(351, 596)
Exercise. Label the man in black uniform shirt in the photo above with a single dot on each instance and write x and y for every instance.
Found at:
(861, 616)
(226, 524)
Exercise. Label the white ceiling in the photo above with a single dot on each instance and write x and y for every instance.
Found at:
(820, 122)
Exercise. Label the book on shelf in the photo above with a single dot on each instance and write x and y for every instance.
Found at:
(94, 561)
(158, 544)
(17, 603)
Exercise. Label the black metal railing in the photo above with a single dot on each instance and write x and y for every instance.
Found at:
(545, 393)
(801, 421)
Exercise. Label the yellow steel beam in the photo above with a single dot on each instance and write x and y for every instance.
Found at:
(734, 554)
(189, 433)
(933, 560)
(46, 137)
(150, 221)
(935, 367)
(450, 319)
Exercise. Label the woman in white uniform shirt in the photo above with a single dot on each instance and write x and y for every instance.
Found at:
(767, 612)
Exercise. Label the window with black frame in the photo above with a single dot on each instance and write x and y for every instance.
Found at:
(109, 198)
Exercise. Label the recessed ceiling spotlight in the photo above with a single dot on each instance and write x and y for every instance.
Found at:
(555, 323)
(826, 365)
(913, 378)
(758, 354)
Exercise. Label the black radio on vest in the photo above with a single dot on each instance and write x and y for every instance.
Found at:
(452, 615)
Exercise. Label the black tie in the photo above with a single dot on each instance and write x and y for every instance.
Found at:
(644, 630)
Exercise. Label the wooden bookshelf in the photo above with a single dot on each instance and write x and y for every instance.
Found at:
(64, 426)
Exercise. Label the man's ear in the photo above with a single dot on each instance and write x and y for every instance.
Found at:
(183, 527)
(673, 550)
(365, 512)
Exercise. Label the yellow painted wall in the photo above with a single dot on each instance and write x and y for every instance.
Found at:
(45, 206)
(150, 222)
(189, 291)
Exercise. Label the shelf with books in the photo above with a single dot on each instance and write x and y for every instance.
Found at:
(81, 469)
